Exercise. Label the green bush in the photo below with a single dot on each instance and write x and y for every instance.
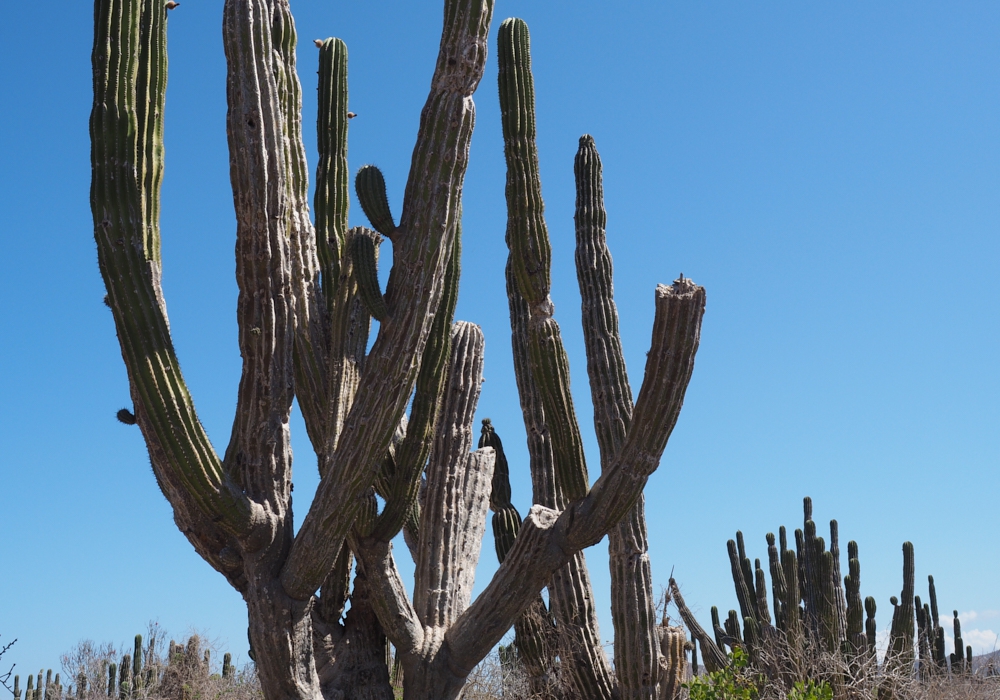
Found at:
(738, 682)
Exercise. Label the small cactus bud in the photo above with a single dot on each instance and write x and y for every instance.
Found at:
(318, 42)
(171, 4)
(126, 416)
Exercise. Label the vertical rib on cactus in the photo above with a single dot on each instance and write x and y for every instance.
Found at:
(673, 664)
(855, 616)
(779, 587)
(957, 659)
(530, 258)
(637, 653)
(743, 587)
(838, 590)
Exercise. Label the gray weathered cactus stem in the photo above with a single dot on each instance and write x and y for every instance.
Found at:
(306, 298)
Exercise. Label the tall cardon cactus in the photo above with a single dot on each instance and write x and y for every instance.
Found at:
(307, 293)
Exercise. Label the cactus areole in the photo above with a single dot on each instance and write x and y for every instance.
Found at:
(308, 290)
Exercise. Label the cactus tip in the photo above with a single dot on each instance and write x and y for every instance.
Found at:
(126, 416)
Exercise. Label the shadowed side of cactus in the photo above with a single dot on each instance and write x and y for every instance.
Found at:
(900, 650)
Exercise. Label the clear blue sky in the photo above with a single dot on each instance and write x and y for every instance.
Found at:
(829, 171)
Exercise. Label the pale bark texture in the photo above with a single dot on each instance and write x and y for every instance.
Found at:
(307, 295)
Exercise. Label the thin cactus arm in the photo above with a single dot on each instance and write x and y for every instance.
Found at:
(370, 186)
(424, 242)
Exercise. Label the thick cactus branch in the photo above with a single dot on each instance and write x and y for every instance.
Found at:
(423, 244)
(365, 260)
(458, 485)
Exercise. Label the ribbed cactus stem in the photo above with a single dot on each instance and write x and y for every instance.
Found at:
(227, 666)
(958, 658)
(332, 196)
(124, 677)
(364, 257)
(838, 590)
(527, 233)
(113, 679)
(17, 687)
(790, 605)
(137, 663)
(779, 589)
(673, 669)
(855, 618)
(369, 184)
(761, 589)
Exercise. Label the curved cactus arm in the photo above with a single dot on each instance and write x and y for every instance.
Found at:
(548, 539)
(369, 183)
(715, 658)
(364, 257)
(423, 244)
(633, 610)
(130, 72)
(453, 517)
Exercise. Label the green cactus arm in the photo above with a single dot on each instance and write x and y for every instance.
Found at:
(527, 234)
(740, 582)
(126, 127)
(901, 632)
(423, 243)
(637, 652)
(412, 453)
(369, 184)
(364, 258)
(838, 589)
